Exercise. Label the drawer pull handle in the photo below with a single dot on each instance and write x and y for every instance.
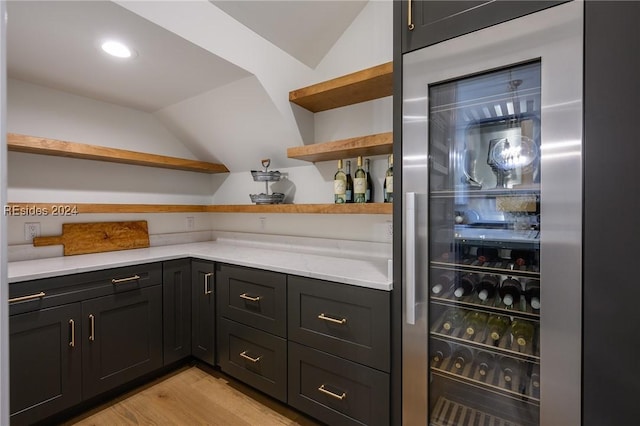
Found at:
(331, 394)
(245, 296)
(333, 320)
(410, 17)
(125, 280)
(72, 324)
(92, 327)
(207, 283)
(29, 297)
(244, 355)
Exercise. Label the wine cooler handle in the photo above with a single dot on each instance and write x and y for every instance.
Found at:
(410, 257)
(410, 25)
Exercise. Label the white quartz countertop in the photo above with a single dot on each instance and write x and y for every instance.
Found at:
(371, 273)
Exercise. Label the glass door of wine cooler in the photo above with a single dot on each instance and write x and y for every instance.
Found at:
(484, 251)
(492, 209)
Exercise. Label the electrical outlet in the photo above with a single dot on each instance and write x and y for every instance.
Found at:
(389, 230)
(31, 230)
(191, 223)
(263, 223)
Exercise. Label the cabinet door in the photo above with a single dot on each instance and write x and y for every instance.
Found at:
(176, 304)
(436, 21)
(45, 362)
(203, 311)
(122, 338)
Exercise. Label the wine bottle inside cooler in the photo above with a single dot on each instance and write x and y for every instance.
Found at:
(461, 357)
(510, 370)
(523, 257)
(465, 285)
(532, 293)
(485, 362)
(475, 322)
(453, 318)
(487, 286)
(497, 326)
(486, 254)
(510, 291)
(522, 331)
(443, 281)
(439, 350)
(535, 381)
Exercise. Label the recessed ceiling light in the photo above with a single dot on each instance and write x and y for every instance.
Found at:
(117, 49)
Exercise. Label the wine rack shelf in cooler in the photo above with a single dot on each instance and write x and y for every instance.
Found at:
(501, 267)
(494, 305)
(451, 413)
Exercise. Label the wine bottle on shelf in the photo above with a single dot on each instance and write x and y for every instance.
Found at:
(349, 187)
(340, 185)
(359, 183)
(535, 381)
(475, 322)
(497, 326)
(443, 281)
(487, 254)
(388, 182)
(369, 194)
(532, 293)
(439, 350)
(485, 362)
(465, 285)
(509, 369)
(510, 291)
(487, 286)
(522, 331)
(523, 257)
(461, 357)
(453, 318)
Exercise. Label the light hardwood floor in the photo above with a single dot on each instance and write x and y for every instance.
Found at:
(193, 396)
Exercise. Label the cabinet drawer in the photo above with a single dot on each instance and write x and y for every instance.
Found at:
(337, 391)
(255, 357)
(253, 297)
(348, 321)
(73, 288)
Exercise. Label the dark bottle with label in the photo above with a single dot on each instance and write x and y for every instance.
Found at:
(465, 285)
(349, 187)
(367, 170)
(486, 254)
(532, 293)
(510, 291)
(438, 351)
(498, 325)
(523, 257)
(475, 322)
(442, 282)
(485, 362)
(462, 357)
(487, 286)
(535, 381)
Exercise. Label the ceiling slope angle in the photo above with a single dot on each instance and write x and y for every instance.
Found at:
(305, 29)
(57, 44)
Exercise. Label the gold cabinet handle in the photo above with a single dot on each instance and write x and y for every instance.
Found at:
(72, 324)
(244, 355)
(92, 327)
(125, 280)
(410, 16)
(29, 297)
(245, 296)
(207, 283)
(331, 394)
(333, 320)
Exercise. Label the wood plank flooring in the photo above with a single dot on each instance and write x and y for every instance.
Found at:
(193, 396)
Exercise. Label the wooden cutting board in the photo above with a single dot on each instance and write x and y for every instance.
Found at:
(98, 237)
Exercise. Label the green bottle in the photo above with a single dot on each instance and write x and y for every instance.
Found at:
(498, 326)
(453, 318)
(475, 322)
(522, 331)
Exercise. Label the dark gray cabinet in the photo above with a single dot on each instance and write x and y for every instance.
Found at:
(123, 338)
(73, 337)
(176, 307)
(252, 312)
(45, 362)
(339, 351)
(423, 23)
(203, 311)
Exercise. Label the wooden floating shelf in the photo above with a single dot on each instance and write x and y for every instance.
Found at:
(59, 209)
(58, 148)
(378, 144)
(365, 85)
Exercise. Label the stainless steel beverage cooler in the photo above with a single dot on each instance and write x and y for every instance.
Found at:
(492, 225)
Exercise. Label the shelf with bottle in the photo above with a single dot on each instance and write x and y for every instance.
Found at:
(501, 334)
(505, 295)
(501, 374)
(359, 188)
(515, 195)
(489, 258)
